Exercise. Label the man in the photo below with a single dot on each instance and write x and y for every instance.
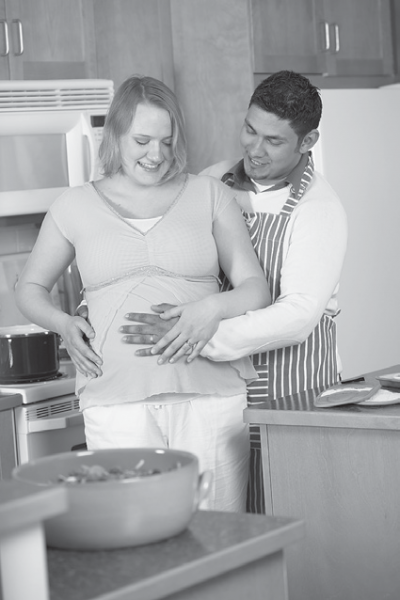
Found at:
(299, 231)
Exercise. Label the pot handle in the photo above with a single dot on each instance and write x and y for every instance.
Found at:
(203, 486)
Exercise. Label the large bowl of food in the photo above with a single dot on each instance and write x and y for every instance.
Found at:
(119, 497)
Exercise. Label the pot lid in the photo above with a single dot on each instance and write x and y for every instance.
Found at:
(29, 329)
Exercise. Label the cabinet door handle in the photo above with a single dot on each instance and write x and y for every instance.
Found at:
(327, 36)
(20, 37)
(6, 38)
(337, 37)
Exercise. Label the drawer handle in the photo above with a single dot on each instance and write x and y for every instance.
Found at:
(20, 37)
(6, 39)
(337, 37)
(327, 36)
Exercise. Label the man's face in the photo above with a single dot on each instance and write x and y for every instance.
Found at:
(271, 148)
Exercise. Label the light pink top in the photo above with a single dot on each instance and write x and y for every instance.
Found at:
(126, 270)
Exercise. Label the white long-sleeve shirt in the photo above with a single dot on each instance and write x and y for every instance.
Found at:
(314, 250)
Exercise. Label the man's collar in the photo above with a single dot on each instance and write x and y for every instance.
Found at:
(295, 176)
(236, 177)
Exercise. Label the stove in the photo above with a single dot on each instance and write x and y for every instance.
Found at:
(48, 421)
(42, 390)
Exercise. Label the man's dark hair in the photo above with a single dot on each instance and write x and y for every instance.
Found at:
(292, 97)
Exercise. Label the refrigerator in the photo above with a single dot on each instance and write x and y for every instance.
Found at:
(359, 154)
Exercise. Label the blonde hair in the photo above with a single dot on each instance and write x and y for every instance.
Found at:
(133, 91)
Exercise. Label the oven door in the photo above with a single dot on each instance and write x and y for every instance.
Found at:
(48, 427)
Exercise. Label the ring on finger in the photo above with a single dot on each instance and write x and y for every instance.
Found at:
(191, 346)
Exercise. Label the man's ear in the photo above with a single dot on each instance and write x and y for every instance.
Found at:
(309, 140)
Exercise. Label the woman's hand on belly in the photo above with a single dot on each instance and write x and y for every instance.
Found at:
(77, 334)
(157, 333)
(198, 321)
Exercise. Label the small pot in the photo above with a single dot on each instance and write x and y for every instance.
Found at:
(28, 354)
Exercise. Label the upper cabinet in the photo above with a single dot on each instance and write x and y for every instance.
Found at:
(323, 37)
(133, 37)
(46, 39)
(286, 35)
(4, 43)
(360, 37)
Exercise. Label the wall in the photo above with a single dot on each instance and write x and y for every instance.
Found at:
(213, 75)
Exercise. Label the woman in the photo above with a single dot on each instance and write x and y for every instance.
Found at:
(145, 232)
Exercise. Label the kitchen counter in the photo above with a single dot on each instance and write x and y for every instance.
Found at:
(219, 556)
(8, 401)
(299, 409)
(338, 470)
(23, 558)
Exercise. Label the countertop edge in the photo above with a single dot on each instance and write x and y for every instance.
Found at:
(9, 401)
(188, 575)
(293, 411)
(363, 420)
(206, 567)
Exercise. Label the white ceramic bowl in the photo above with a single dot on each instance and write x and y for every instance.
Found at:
(129, 512)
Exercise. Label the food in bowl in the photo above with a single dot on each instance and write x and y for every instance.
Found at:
(94, 473)
(122, 512)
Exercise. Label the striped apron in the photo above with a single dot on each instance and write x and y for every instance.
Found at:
(295, 368)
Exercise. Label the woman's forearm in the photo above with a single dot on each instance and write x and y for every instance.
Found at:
(35, 303)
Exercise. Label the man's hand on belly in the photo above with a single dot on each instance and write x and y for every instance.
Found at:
(149, 329)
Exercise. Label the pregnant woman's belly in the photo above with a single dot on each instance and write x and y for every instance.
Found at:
(126, 377)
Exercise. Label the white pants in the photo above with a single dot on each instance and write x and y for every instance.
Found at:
(211, 427)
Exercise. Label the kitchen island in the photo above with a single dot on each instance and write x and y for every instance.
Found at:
(219, 556)
(338, 469)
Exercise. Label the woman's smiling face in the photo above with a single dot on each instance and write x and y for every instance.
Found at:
(146, 149)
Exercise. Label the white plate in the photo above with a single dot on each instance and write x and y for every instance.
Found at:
(390, 380)
(383, 397)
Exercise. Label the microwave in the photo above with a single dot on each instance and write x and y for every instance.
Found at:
(50, 132)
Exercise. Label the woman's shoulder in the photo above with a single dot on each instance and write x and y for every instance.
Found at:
(74, 196)
(76, 192)
(74, 202)
(215, 196)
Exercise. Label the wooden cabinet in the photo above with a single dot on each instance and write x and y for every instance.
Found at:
(4, 43)
(330, 37)
(213, 75)
(133, 37)
(336, 469)
(286, 35)
(360, 37)
(46, 39)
